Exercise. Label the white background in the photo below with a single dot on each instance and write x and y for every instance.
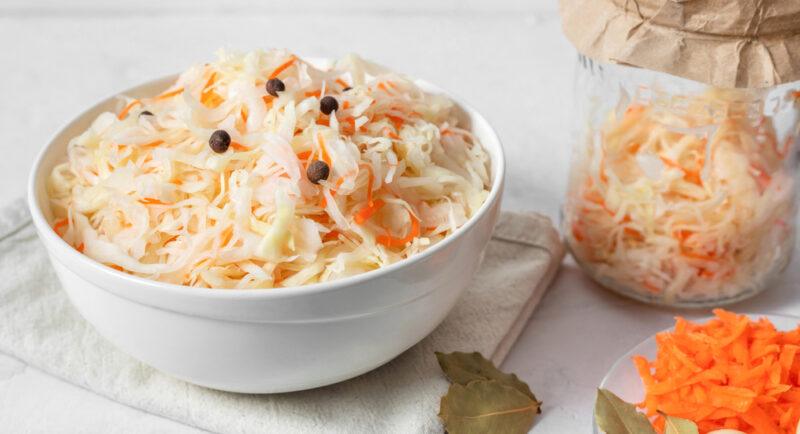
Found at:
(507, 58)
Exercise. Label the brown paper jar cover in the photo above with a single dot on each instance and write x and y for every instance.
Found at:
(724, 43)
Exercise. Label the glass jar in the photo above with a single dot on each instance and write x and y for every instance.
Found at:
(681, 193)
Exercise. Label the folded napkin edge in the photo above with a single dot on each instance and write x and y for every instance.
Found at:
(529, 228)
(518, 325)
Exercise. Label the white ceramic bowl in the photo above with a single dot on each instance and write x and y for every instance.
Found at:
(268, 340)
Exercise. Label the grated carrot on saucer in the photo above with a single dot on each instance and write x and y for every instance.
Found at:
(731, 372)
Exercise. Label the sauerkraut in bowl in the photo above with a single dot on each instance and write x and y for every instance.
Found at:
(683, 194)
(260, 170)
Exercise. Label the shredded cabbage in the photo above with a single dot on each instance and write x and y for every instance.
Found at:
(145, 194)
(682, 207)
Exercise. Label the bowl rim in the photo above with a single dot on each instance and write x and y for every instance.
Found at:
(497, 158)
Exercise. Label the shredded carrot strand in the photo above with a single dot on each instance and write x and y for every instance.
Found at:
(211, 99)
(243, 115)
(282, 67)
(211, 80)
(348, 125)
(208, 97)
(690, 175)
(332, 235)
(324, 202)
(368, 211)
(127, 109)
(397, 121)
(239, 147)
(787, 144)
(342, 83)
(391, 134)
(325, 157)
(633, 234)
(731, 372)
(169, 94)
(370, 181)
(577, 232)
(57, 226)
(602, 174)
(390, 241)
(152, 144)
(761, 176)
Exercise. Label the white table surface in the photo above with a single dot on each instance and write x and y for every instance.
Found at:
(506, 57)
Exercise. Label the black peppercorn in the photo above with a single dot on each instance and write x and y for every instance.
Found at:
(318, 171)
(219, 141)
(328, 105)
(275, 85)
(146, 113)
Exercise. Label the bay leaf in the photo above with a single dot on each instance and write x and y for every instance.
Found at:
(615, 416)
(677, 425)
(487, 406)
(462, 368)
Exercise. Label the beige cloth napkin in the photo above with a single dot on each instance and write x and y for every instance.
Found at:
(39, 326)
